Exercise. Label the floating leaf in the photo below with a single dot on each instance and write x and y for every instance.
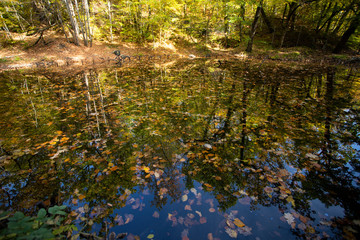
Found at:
(193, 190)
(231, 232)
(81, 196)
(212, 210)
(119, 220)
(150, 236)
(184, 198)
(268, 190)
(129, 218)
(156, 214)
(246, 231)
(290, 199)
(303, 219)
(198, 213)
(203, 220)
(188, 207)
(239, 223)
(289, 218)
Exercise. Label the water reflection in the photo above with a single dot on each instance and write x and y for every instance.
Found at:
(194, 150)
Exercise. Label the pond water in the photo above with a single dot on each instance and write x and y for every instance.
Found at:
(192, 150)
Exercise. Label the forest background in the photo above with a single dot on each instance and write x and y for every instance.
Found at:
(329, 26)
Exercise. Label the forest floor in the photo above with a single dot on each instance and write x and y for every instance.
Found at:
(55, 51)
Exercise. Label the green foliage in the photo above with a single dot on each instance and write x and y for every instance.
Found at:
(46, 225)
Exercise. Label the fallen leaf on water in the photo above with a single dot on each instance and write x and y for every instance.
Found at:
(129, 218)
(211, 210)
(188, 207)
(231, 232)
(239, 223)
(310, 229)
(203, 220)
(119, 220)
(198, 213)
(302, 226)
(289, 218)
(246, 231)
(268, 190)
(156, 214)
(303, 219)
(210, 236)
(81, 196)
(146, 169)
(150, 236)
(184, 198)
(230, 224)
(190, 215)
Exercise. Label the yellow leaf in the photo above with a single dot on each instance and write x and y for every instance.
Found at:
(238, 223)
(146, 169)
(59, 132)
(81, 196)
(150, 236)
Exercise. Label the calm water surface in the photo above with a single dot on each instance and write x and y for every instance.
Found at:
(193, 150)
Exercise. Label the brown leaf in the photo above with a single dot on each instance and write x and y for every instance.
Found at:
(203, 220)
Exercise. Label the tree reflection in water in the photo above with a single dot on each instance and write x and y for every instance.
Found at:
(194, 135)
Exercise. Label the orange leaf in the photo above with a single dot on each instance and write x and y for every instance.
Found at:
(239, 223)
(81, 196)
(114, 168)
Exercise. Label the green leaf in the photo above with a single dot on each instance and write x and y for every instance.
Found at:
(41, 213)
(57, 210)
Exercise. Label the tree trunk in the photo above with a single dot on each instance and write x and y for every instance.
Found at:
(345, 37)
(87, 21)
(60, 18)
(74, 24)
(82, 27)
(18, 18)
(267, 21)
(110, 20)
(253, 29)
(8, 34)
(341, 20)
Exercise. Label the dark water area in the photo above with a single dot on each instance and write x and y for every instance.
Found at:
(192, 150)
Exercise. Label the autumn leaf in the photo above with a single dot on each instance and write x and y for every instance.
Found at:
(184, 198)
(81, 196)
(289, 218)
(114, 168)
(231, 232)
(239, 223)
(146, 169)
(156, 214)
(188, 207)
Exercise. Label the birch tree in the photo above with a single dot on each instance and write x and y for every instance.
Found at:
(73, 21)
